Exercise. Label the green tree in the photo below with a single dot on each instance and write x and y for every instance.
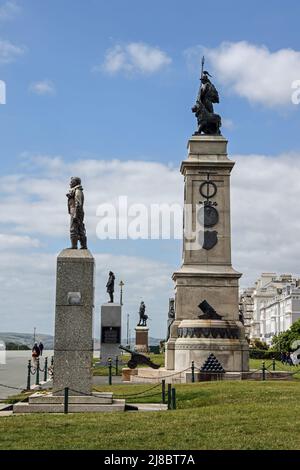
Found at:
(258, 344)
(283, 341)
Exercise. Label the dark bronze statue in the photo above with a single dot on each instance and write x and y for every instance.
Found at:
(208, 122)
(171, 317)
(110, 286)
(138, 359)
(209, 312)
(75, 208)
(143, 316)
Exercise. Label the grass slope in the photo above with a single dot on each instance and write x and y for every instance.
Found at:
(215, 415)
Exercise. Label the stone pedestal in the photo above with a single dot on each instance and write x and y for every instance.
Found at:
(141, 339)
(110, 334)
(206, 272)
(73, 343)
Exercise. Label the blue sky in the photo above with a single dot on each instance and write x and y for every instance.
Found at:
(64, 100)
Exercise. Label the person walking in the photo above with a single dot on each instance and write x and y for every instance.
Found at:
(41, 348)
(35, 354)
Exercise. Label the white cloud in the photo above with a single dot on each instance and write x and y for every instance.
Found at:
(9, 52)
(135, 57)
(43, 195)
(227, 123)
(9, 10)
(9, 241)
(43, 87)
(253, 71)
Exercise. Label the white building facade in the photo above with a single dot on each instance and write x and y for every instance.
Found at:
(272, 306)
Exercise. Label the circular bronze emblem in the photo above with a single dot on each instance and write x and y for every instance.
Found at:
(208, 216)
(208, 189)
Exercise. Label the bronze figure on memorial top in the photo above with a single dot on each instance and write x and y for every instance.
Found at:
(142, 315)
(110, 286)
(75, 208)
(208, 122)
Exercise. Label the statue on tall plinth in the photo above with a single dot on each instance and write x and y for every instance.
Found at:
(171, 316)
(110, 286)
(143, 317)
(208, 122)
(75, 208)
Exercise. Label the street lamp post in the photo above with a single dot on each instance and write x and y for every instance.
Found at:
(128, 329)
(121, 292)
(34, 330)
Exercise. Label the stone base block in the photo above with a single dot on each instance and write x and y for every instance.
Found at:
(49, 398)
(72, 369)
(128, 373)
(197, 339)
(141, 339)
(48, 403)
(148, 375)
(110, 334)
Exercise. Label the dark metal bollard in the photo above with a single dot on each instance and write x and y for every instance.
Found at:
(274, 364)
(109, 371)
(66, 401)
(193, 371)
(37, 374)
(28, 374)
(263, 371)
(169, 396)
(163, 391)
(117, 365)
(45, 369)
(173, 398)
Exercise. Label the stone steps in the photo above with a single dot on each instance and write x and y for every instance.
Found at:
(116, 405)
(95, 398)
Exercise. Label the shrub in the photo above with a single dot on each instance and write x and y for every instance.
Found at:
(263, 354)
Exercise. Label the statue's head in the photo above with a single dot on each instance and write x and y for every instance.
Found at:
(75, 181)
(205, 75)
(111, 273)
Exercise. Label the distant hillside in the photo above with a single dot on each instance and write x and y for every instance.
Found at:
(27, 338)
(48, 340)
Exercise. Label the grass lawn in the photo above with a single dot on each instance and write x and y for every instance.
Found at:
(160, 359)
(211, 415)
(103, 370)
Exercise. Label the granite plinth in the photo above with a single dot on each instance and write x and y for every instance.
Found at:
(141, 339)
(110, 334)
(73, 344)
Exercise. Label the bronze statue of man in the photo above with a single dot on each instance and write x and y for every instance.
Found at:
(143, 317)
(75, 208)
(110, 286)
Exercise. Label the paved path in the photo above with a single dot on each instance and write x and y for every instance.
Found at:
(14, 371)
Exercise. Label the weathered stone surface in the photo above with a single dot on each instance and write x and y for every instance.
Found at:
(141, 338)
(72, 369)
(75, 319)
(49, 398)
(75, 273)
(73, 347)
(207, 274)
(111, 317)
(111, 314)
(117, 405)
(207, 145)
